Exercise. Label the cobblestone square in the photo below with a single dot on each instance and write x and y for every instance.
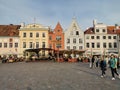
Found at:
(54, 76)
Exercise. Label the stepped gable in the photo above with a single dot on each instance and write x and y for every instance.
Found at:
(58, 27)
(9, 30)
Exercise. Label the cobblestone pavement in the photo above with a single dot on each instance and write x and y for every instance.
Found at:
(54, 76)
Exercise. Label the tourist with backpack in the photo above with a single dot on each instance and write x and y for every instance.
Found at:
(113, 66)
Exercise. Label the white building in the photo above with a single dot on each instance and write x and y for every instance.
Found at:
(74, 37)
(100, 39)
(9, 39)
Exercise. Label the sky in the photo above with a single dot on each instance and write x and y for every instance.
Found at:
(50, 12)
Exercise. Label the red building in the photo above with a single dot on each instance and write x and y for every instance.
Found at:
(56, 38)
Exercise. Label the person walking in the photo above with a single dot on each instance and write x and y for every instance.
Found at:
(103, 67)
(92, 62)
(113, 66)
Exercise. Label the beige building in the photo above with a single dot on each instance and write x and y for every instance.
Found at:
(33, 36)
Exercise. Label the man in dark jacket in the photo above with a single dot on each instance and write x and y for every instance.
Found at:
(103, 66)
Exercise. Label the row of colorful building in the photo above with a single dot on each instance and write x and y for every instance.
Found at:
(96, 40)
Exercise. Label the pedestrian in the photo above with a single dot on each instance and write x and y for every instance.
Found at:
(107, 60)
(113, 66)
(103, 66)
(96, 61)
(92, 61)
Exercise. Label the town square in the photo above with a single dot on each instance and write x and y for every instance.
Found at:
(54, 76)
(59, 45)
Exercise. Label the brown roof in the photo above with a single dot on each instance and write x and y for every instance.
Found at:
(9, 30)
(110, 30)
(118, 31)
(89, 31)
(110, 27)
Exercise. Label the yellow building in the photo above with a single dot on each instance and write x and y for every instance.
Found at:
(33, 36)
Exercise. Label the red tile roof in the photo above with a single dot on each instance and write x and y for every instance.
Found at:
(9, 30)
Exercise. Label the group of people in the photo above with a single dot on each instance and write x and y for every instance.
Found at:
(104, 62)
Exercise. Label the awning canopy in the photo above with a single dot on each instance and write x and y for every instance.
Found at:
(71, 51)
(38, 49)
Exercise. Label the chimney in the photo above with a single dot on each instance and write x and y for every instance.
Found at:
(116, 26)
(22, 24)
(94, 22)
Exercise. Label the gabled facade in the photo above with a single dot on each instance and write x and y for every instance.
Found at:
(33, 36)
(100, 39)
(9, 39)
(74, 37)
(56, 38)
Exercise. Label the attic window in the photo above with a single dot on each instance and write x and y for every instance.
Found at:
(58, 30)
(77, 32)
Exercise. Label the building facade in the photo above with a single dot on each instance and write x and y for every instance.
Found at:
(74, 37)
(9, 39)
(56, 38)
(33, 36)
(100, 39)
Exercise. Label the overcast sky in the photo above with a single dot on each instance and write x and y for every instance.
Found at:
(49, 12)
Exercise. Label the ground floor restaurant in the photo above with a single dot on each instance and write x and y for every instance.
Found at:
(55, 55)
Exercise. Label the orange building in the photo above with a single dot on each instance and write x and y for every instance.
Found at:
(56, 38)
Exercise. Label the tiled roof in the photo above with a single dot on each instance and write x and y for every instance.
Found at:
(118, 31)
(110, 30)
(9, 30)
(89, 31)
(110, 27)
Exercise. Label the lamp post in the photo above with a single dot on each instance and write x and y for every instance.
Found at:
(58, 48)
(91, 52)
